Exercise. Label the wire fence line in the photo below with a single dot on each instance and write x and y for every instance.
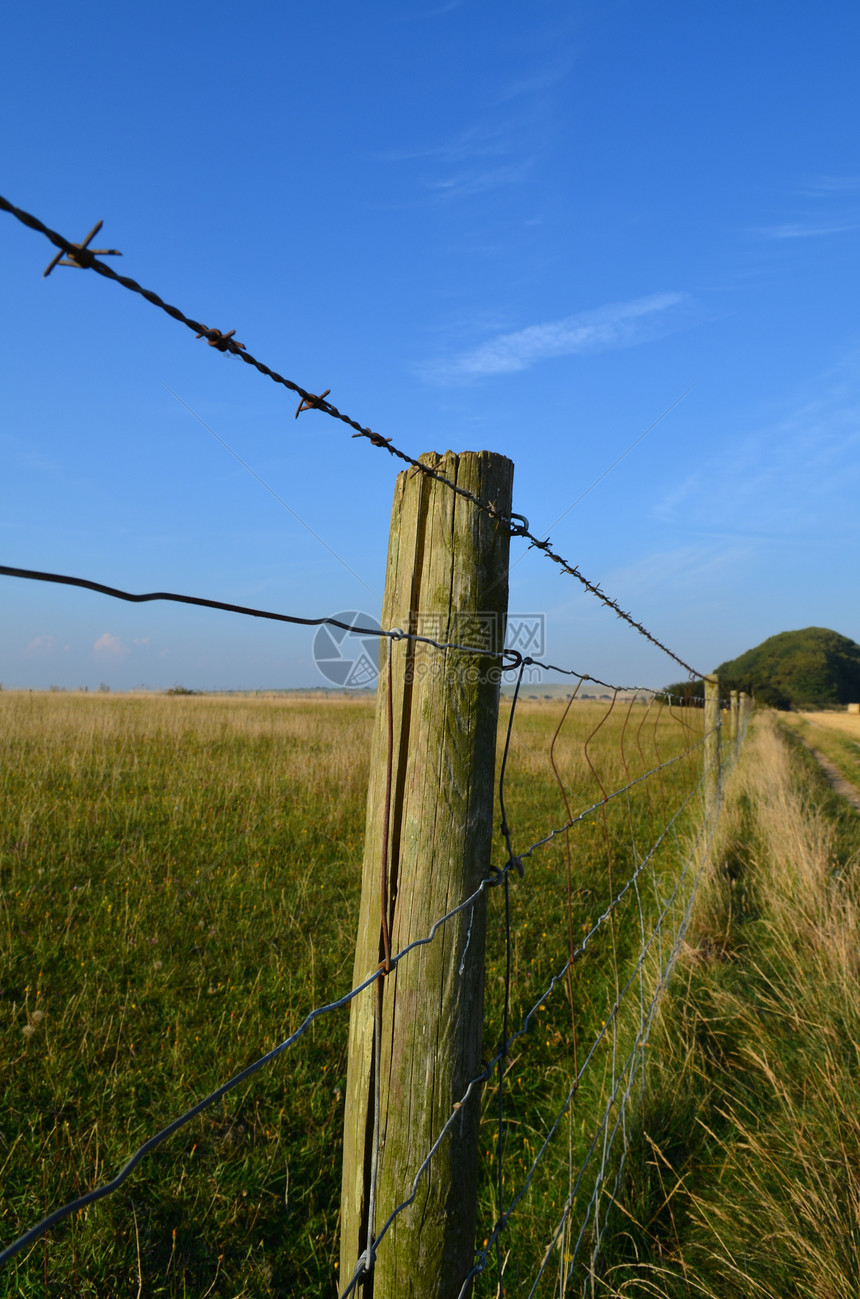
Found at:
(79, 255)
(514, 862)
(647, 861)
(512, 657)
(366, 1261)
(81, 1202)
(635, 1062)
(500, 875)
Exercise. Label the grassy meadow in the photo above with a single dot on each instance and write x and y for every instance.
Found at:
(179, 880)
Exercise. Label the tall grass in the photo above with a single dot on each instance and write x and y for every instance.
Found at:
(179, 880)
(599, 750)
(179, 885)
(747, 1176)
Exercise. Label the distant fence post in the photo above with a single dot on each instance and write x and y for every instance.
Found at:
(447, 577)
(745, 709)
(712, 741)
(733, 718)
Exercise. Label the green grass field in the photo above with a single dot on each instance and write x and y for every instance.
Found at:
(180, 885)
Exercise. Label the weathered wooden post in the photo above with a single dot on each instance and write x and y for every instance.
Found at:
(745, 709)
(733, 717)
(415, 1035)
(712, 742)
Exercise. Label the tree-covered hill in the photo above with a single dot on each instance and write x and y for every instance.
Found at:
(813, 668)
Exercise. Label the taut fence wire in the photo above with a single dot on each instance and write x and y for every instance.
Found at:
(593, 914)
(80, 256)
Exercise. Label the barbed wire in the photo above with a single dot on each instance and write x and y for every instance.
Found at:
(81, 256)
(611, 685)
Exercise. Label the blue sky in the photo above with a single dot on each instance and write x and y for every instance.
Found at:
(527, 228)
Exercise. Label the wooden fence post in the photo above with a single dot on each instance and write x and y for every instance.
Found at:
(744, 715)
(712, 741)
(447, 577)
(733, 718)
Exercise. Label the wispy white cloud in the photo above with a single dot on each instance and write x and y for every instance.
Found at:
(465, 183)
(825, 186)
(438, 11)
(502, 147)
(109, 649)
(795, 475)
(539, 82)
(39, 646)
(691, 568)
(830, 209)
(477, 159)
(807, 229)
(473, 142)
(618, 324)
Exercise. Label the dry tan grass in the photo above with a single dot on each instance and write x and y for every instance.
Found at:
(180, 875)
(836, 736)
(846, 723)
(762, 1051)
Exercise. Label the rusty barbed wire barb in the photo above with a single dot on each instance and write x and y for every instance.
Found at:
(81, 255)
(86, 258)
(313, 403)
(377, 440)
(223, 342)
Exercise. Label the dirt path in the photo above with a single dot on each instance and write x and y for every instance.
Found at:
(837, 781)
